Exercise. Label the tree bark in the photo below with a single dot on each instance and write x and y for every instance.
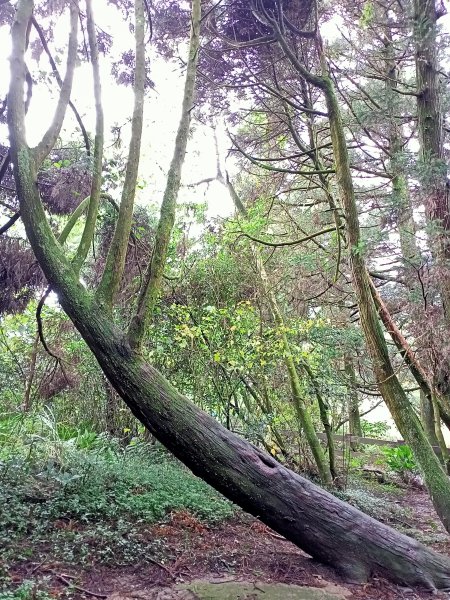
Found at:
(354, 419)
(115, 261)
(437, 482)
(428, 421)
(401, 200)
(434, 169)
(322, 525)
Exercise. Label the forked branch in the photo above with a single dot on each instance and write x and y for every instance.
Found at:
(51, 135)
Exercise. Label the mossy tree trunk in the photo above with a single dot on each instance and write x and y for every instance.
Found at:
(354, 418)
(401, 200)
(324, 526)
(437, 482)
(428, 419)
(430, 92)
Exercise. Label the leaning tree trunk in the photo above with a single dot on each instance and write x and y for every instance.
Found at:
(322, 525)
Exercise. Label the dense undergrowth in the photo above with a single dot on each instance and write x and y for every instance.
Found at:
(75, 497)
(87, 500)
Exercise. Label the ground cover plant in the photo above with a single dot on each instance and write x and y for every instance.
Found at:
(94, 505)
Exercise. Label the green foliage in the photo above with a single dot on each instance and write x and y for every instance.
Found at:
(378, 501)
(29, 589)
(93, 501)
(400, 459)
(377, 429)
(367, 14)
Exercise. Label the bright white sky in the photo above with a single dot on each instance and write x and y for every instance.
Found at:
(162, 112)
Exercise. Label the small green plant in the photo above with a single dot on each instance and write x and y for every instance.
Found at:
(400, 460)
(29, 589)
(94, 501)
(378, 429)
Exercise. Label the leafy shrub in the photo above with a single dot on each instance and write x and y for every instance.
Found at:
(400, 460)
(28, 590)
(373, 500)
(378, 429)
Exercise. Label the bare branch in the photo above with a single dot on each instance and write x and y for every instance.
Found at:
(291, 242)
(4, 228)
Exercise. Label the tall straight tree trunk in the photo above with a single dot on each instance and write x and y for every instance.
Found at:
(401, 198)
(431, 136)
(436, 480)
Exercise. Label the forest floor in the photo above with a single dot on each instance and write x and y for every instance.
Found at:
(240, 549)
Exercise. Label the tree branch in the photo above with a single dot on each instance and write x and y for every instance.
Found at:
(115, 261)
(4, 228)
(51, 135)
(290, 243)
(60, 83)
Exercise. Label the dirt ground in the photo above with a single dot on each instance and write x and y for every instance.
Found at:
(243, 550)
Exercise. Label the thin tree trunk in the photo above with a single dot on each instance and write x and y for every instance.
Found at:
(324, 412)
(301, 409)
(94, 198)
(439, 435)
(401, 200)
(354, 419)
(31, 374)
